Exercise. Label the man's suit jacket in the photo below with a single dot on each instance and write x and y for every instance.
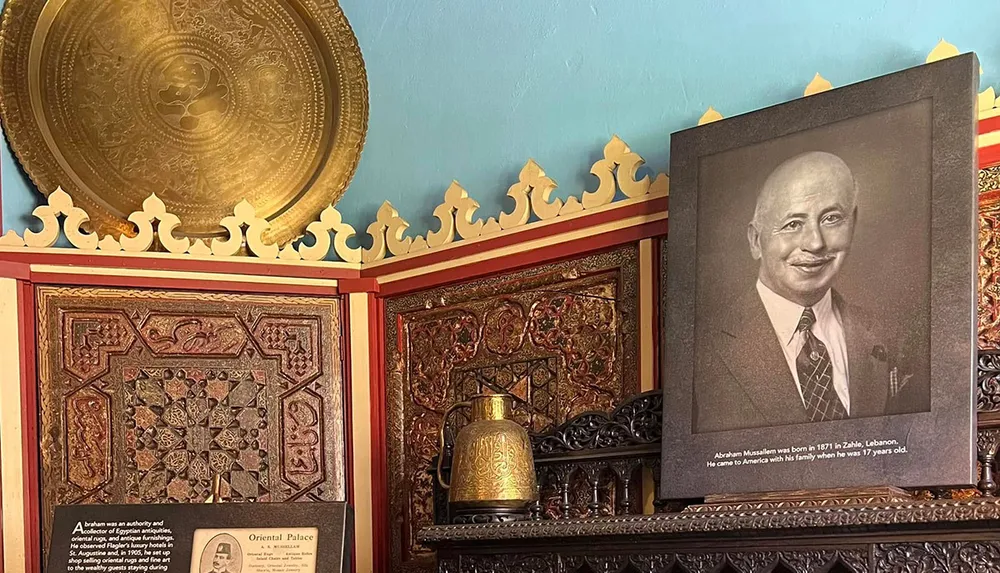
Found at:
(742, 379)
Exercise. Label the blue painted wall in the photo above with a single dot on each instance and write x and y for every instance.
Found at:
(470, 90)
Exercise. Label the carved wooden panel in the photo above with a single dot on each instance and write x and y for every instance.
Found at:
(147, 395)
(989, 258)
(989, 290)
(561, 338)
(943, 557)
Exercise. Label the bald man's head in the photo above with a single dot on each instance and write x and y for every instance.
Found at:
(802, 170)
(803, 225)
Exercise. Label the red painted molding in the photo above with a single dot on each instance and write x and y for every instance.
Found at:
(658, 205)
(379, 459)
(181, 284)
(29, 428)
(657, 317)
(358, 285)
(525, 259)
(989, 156)
(989, 124)
(221, 266)
(19, 271)
(345, 350)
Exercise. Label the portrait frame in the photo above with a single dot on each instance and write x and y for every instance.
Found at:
(928, 448)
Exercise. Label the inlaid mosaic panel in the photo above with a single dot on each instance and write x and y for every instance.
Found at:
(561, 338)
(146, 396)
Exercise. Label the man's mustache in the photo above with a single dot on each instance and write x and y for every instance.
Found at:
(810, 260)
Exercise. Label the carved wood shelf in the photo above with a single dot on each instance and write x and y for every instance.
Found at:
(939, 512)
(937, 535)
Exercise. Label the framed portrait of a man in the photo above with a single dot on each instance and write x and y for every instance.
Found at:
(819, 328)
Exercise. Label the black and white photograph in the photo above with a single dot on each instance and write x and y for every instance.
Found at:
(221, 555)
(820, 280)
(815, 303)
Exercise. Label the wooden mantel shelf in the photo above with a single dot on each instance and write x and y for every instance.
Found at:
(942, 536)
(977, 513)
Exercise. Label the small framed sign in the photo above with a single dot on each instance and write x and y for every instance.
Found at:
(206, 538)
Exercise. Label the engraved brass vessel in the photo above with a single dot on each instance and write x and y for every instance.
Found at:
(203, 102)
(492, 469)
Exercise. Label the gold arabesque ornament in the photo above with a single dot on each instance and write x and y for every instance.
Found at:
(202, 102)
(492, 469)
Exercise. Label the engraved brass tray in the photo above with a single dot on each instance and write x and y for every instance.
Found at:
(203, 102)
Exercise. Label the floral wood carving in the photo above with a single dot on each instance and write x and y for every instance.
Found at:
(637, 421)
(988, 378)
(938, 557)
(799, 561)
(989, 179)
(989, 269)
(171, 334)
(146, 395)
(514, 563)
(562, 338)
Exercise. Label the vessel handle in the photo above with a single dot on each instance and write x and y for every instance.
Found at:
(444, 424)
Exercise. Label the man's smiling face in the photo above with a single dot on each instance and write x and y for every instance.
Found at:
(803, 226)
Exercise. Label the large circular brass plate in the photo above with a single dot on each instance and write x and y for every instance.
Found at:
(203, 102)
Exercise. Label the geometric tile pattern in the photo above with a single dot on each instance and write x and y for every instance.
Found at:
(186, 427)
(146, 396)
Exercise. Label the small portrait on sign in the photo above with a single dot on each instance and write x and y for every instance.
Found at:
(222, 554)
(255, 550)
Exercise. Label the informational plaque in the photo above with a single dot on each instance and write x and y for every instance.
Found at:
(206, 538)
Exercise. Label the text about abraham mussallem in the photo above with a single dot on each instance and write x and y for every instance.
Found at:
(808, 453)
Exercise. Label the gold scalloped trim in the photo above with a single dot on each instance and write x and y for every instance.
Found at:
(616, 171)
(989, 103)
(817, 85)
(709, 116)
(154, 226)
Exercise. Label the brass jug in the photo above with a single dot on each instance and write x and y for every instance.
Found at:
(492, 469)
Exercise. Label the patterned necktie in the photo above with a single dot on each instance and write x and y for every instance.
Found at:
(816, 374)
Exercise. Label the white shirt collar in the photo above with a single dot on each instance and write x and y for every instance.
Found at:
(785, 314)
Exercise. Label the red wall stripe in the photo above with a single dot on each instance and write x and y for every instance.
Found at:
(658, 205)
(989, 156)
(181, 284)
(525, 259)
(175, 264)
(380, 470)
(989, 124)
(345, 350)
(29, 421)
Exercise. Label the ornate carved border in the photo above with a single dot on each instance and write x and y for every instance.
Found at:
(938, 511)
(637, 421)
